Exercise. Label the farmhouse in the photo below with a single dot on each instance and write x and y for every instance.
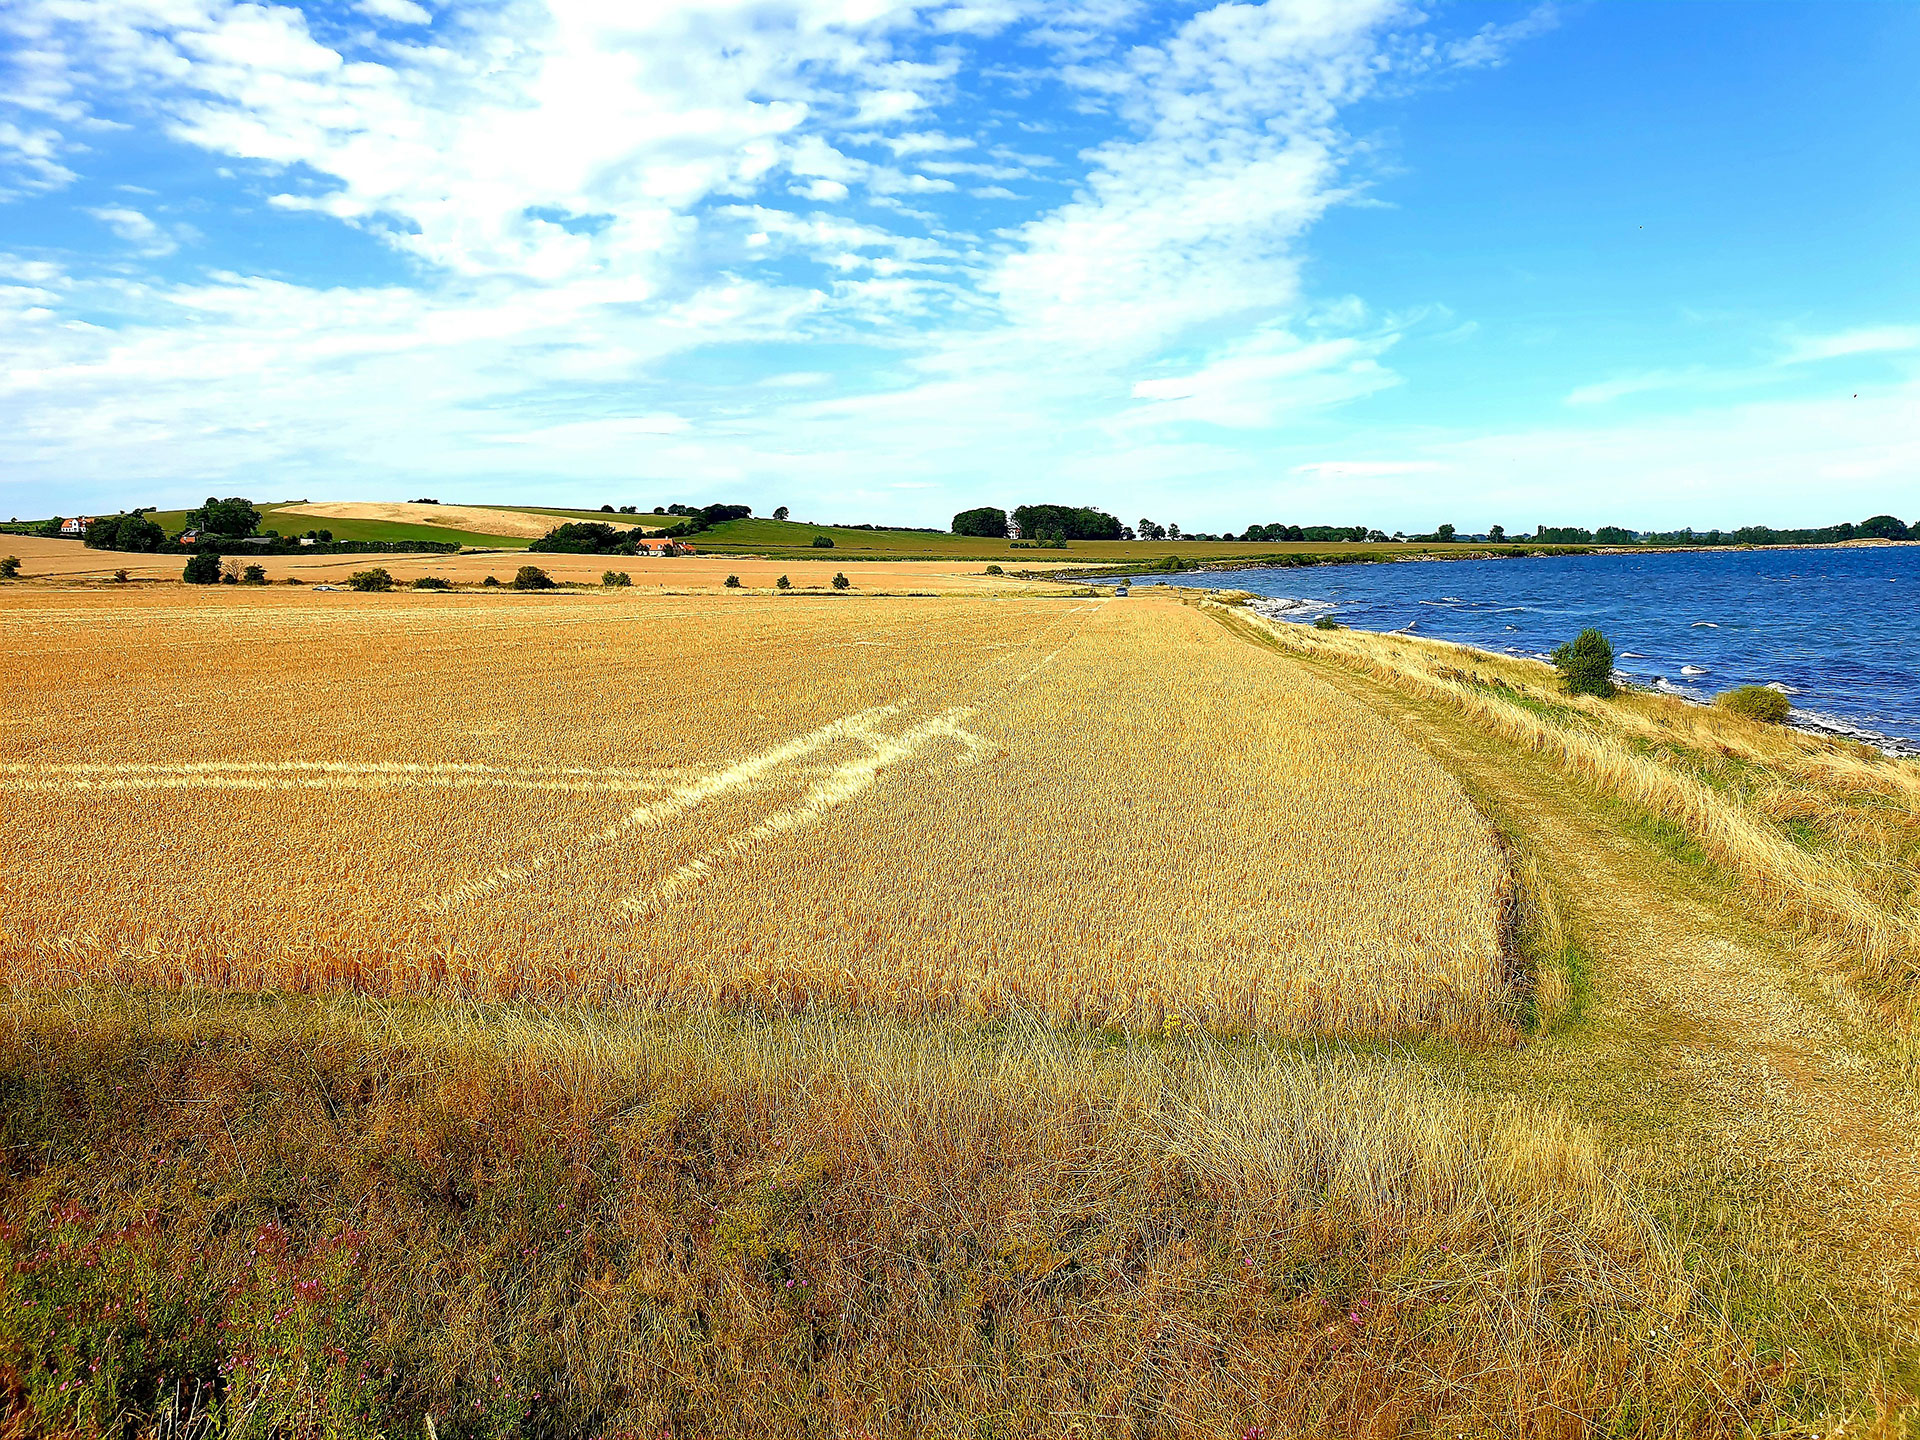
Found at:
(76, 526)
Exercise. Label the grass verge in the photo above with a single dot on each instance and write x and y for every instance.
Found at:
(331, 1217)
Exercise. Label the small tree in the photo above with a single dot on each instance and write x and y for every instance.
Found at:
(823, 542)
(120, 576)
(532, 577)
(840, 582)
(9, 567)
(376, 579)
(1446, 534)
(783, 583)
(202, 569)
(1326, 622)
(1586, 666)
(492, 582)
(431, 582)
(614, 579)
(781, 512)
(733, 582)
(995, 570)
(252, 575)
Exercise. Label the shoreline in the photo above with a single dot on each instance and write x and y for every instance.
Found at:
(1469, 550)
(1807, 722)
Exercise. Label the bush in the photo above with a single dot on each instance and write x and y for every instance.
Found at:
(120, 576)
(1326, 622)
(783, 583)
(430, 582)
(823, 542)
(492, 582)
(1756, 702)
(995, 570)
(295, 580)
(1586, 666)
(613, 579)
(532, 577)
(252, 575)
(9, 567)
(370, 580)
(733, 582)
(840, 582)
(202, 569)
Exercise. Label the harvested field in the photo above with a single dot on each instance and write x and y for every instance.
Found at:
(479, 519)
(1105, 813)
(44, 560)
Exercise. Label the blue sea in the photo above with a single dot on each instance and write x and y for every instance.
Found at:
(1838, 630)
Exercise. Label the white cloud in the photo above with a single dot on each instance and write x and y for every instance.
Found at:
(586, 195)
(1259, 383)
(136, 229)
(1874, 340)
(405, 12)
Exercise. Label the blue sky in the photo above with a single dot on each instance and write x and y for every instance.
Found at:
(1334, 260)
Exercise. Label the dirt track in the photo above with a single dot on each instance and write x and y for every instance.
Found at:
(1705, 1029)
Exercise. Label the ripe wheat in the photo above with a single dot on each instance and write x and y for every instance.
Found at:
(1102, 813)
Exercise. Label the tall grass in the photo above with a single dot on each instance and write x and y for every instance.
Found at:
(307, 1218)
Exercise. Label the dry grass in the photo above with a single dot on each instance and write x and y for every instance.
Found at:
(1825, 835)
(1101, 813)
(588, 1224)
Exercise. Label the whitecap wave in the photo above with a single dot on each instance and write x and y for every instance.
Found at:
(1820, 723)
(1286, 607)
(1693, 670)
(1703, 625)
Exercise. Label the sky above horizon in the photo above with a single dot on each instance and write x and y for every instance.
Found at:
(1331, 261)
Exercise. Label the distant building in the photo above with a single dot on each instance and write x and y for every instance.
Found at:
(189, 537)
(76, 526)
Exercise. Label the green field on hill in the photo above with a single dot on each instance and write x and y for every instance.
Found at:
(790, 539)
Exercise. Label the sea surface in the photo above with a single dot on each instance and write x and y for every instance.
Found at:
(1838, 630)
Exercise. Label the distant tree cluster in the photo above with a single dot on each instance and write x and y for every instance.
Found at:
(585, 537)
(133, 532)
(1275, 534)
(986, 521)
(233, 516)
(1066, 522)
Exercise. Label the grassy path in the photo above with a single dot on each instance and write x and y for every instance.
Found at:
(1759, 1097)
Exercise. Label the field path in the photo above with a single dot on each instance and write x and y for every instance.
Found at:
(1705, 1036)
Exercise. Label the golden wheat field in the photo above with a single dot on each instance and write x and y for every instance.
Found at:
(1102, 812)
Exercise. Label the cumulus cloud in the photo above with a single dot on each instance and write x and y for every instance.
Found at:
(596, 205)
